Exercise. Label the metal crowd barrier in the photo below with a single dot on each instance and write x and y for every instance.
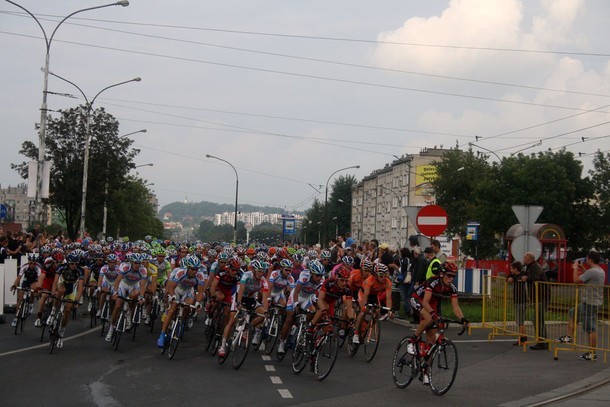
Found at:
(544, 312)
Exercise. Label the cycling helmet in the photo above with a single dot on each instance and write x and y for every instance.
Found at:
(286, 264)
(250, 251)
(223, 256)
(110, 239)
(312, 254)
(228, 251)
(262, 256)
(148, 238)
(381, 270)
(192, 262)
(212, 254)
(72, 258)
(58, 256)
(347, 260)
(449, 268)
(146, 257)
(325, 254)
(366, 265)
(316, 268)
(298, 258)
(46, 249)
(256, 265)
(48, 262)
(112, 257)
(33, 257)
(235, 263)
(240, 251)
(291, 251)
(342, 273)
(272, 251)
(183, 263)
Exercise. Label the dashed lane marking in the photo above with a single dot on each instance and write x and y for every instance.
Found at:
(276, 380)
(270, 368)
(285, 393)
(266, 358)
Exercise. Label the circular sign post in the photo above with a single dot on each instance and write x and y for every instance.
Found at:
(431, 220)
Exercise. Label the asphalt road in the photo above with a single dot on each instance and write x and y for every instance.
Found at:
(88, 372)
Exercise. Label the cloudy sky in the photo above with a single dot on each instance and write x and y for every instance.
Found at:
(289, 92)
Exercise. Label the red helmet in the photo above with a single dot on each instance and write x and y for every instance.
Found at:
(250, 251)
(342, 272)
(449, 268)
(235, 263)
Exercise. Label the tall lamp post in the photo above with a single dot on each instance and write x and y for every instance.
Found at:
(236, 193)
(326, 199)
(43, 108)
(88, 142)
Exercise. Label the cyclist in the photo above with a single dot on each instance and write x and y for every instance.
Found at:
(180, 287)
(105, 283)
(426, 300)
(163, 265)
(375, 289)
(325, 256)
(303, 296)
(68, 284)
(151, 284)
(130, 283)
(94, 275)
(224, 286)
(30, 273)
(297, 266)
(45, 282)
(333, 289)
(252, 284)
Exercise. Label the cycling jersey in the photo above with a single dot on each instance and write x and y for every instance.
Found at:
(279, 283)
(438, 289)
(184, 281)
(307, 292)
(130, 276)
(68, 277)
(334, 292)
(29, 274)
(375, 286)
(163, 270)
(252, 285)
(109, 276)
(227, 284)
(151, 271)
(355, 281)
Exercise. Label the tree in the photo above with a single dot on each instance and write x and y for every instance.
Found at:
(339, 205)
(311, 224)
(600, 177)
(131, 212)
(110, 160)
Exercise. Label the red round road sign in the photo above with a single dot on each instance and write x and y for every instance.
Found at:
(431, 220)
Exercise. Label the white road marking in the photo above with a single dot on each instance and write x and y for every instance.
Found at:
(285, 393)
(270, 368)
(276, 380)
(266, 358)
(46, 345)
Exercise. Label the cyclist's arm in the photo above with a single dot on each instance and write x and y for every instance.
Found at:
(349, 307)
(79, 292)
(295, 293)
(170, 288)
(388, 295)
(266, 300)
(55, 282)
(240, 293)
(322, 304)
(214, 287)
(117, 282)
(456, 307)
(366, 291)
(426, 302)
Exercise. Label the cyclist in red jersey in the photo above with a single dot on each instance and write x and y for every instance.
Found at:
(427, 298)
(333, 289)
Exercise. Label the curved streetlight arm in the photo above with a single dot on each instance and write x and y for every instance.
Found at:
(48, 40)
(326, 195)
(342, 169)
(133, 132)
(73, 84)
(486, 149)
(236, 192)
(138, 79)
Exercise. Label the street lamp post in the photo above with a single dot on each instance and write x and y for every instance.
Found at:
(236, 193)
(88, 141)
(326, 199)
(43, 108)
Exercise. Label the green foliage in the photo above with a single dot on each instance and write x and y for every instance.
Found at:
(600, 177)
(110, 160)
(263, 233)
(485, 193)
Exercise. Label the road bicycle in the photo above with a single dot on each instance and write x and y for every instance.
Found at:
(319, 348)
(439, 362)
(272, 327)
(157, 307)
(369, 335)
(24, 309)
(92, 309)
(176, 329)
(106, 313)
(121, 325)
(46, 313)
(55, 320)
(241, 340)
(212, 337)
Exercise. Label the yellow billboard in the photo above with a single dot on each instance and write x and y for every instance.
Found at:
(424, 175)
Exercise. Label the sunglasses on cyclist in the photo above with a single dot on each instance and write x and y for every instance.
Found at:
(72, 264)
(450, 275)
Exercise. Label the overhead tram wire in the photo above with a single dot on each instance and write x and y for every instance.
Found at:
(275, 54)
(317, 77)
(582, 140)
(342, 39)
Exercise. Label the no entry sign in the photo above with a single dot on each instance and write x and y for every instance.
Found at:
(432, 220)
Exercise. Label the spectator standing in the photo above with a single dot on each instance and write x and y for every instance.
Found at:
(436, 246)
(592, 298)
(533, 274)
(406, 279)
(434, 263)
(519, 281)
(349, 240)
(3, 251)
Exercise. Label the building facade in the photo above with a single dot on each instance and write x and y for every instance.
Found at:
(379, 201)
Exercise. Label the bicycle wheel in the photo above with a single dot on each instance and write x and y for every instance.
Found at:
(404, 364)
(371, 339)
(18, 316)
(93, 313)
(120, 327)
(352, 348)
(299, 353)
(208, 337)
(154, 313)
(272, 334)
(241, 344)
(174, 340)
(326, 355)
(55, 331)
(443, 367)
(135, 322)
(264, 331)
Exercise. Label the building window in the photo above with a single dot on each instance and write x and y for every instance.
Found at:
(394, 223)
(394, 202)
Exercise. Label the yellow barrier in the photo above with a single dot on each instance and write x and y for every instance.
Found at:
(546, 312)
